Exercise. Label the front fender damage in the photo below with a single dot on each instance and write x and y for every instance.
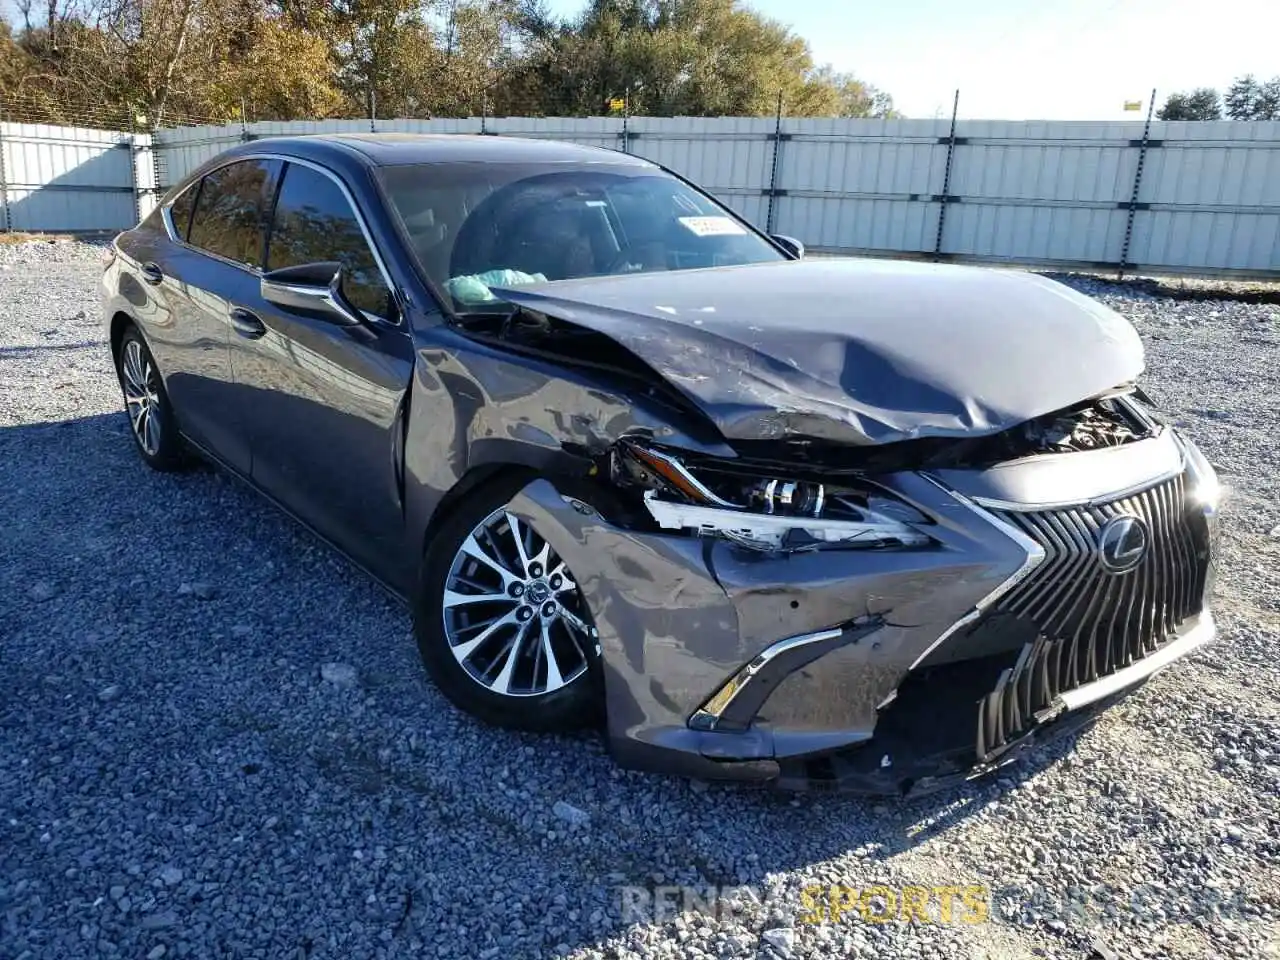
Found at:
(677, 615)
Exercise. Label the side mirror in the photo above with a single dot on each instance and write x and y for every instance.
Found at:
(789, 244)
(311, 288)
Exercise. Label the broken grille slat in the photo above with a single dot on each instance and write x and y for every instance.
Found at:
(1091, 622)
(1115, 636)
(1087, 579)
(1087, 633)
(1184, 547)
(1175, 557)
(1029, 678)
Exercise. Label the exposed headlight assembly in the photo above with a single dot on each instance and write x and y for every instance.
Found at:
(764, 513)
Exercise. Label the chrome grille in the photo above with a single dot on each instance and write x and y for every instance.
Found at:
(1088, 621)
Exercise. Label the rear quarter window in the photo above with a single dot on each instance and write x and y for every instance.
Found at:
(180, 210)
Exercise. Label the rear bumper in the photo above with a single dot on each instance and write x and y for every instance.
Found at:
(880, 671)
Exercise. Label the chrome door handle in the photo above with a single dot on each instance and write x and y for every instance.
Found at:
(247, 323)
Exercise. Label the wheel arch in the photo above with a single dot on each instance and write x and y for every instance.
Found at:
(477, 477)
(120, 322)
(492, 460)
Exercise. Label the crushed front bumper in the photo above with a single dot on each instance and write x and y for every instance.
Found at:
(912, 758)
(878, 670)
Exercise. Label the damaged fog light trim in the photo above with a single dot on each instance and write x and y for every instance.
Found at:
(736, 703)
(770, 531)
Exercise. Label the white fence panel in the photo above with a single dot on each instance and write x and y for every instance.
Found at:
(593, 131)
(731, 157)
(1041, 192)
(1191, 198)
(1210, 195)
(183, 149)
(65, 178)
(860, 185)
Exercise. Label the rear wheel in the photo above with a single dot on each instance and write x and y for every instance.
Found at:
(155, 430)
(501, 623)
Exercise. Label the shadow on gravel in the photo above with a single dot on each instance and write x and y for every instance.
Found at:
(8, 353)
(162, 701)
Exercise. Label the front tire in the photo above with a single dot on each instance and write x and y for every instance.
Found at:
(151, 419)
(501, 624)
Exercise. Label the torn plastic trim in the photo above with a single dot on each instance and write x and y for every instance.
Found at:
(763, 531)
(734, 706)
(1034, 557)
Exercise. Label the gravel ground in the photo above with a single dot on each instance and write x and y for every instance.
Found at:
(214, 734)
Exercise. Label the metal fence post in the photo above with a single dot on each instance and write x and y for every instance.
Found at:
(626, 120)
(945, 197)
(159, 166)
(1143, 145)
(773, 172)
(133, 171)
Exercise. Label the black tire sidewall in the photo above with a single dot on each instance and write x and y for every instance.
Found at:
(170, 455)
(571, 707)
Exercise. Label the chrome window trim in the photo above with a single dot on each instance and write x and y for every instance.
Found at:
(166, 215)
(1034, 557)
(166, 218)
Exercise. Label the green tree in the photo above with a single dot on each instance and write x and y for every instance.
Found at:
(203, 60)
(280, 73)
(1242, 97)
(1247, 99)
(1203, 103)
(1268, 107)
(676, 58)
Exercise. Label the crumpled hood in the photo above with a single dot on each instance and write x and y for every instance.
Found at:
(856, 351)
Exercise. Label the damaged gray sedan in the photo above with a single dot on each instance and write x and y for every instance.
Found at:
(826, 524)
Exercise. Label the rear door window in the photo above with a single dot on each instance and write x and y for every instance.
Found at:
(230, 213)
(180, 210)
(315, 223)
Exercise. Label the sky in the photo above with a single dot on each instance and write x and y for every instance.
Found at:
(1033, 59)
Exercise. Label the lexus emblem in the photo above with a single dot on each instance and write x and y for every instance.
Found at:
(1122, 543)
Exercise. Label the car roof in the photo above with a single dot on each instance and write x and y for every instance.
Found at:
(393, 149)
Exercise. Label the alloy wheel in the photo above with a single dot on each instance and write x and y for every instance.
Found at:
(514, 616)
(141, 384)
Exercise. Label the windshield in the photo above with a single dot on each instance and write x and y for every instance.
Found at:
(474, 226)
